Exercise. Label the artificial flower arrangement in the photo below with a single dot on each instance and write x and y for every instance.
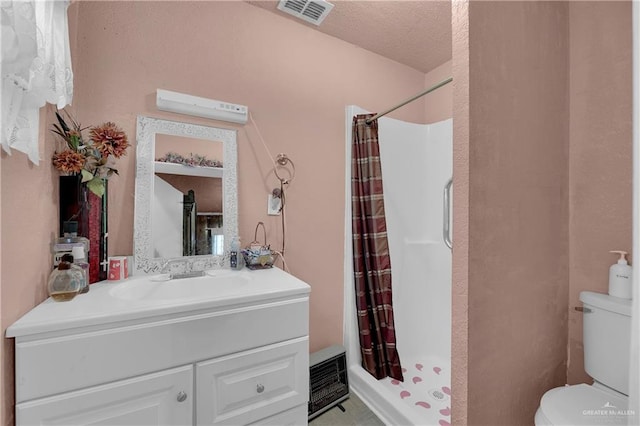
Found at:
(93, 159)
(194, 160)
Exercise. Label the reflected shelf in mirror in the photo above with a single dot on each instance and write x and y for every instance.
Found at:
(181, 169)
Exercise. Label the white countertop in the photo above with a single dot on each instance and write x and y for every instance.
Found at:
(110, 302)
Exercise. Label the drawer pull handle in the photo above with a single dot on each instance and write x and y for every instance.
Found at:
(182, 396)
(260, 388)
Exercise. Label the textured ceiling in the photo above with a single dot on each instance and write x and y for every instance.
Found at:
(414, 33)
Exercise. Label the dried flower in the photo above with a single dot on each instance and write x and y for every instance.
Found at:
(109, 139)
(69, 162)
(92, 160)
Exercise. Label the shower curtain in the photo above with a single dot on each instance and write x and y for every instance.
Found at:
(371, 261)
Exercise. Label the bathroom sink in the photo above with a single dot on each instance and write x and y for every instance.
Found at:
(157, 288)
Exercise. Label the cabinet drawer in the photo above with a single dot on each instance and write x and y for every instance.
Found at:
(252, 385)
(163, 398)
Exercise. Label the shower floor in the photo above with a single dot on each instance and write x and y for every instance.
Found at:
(425, 389)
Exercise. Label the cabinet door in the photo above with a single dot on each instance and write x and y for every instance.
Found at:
(243, 388)
(163, 398)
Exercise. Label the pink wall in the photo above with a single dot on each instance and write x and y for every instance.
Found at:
(518, 234)
(542, 191)
(29, 222)
(186, 147)
(600, 166)
(208, 191)
(460, 259)
(439, 103)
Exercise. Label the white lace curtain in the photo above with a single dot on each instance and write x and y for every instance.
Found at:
(36, 68)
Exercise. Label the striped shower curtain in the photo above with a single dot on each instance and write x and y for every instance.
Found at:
(371, 261)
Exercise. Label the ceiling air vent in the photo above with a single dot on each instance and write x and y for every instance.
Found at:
(313, 11)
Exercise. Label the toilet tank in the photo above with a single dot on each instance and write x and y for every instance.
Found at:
(607, 334)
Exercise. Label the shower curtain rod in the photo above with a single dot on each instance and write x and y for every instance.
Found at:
(419, 95)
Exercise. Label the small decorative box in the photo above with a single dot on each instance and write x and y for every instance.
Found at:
(118, 268)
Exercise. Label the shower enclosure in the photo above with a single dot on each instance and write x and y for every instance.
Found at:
(417, 169)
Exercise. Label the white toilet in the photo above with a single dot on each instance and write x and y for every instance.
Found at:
(607, 331)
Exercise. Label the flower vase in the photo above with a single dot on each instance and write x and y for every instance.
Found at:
(78, 203)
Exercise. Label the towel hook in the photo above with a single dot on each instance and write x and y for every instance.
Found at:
(281, 161)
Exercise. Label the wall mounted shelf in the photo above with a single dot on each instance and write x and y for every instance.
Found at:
(180, 169)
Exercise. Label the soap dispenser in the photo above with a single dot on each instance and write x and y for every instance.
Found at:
(620, 277)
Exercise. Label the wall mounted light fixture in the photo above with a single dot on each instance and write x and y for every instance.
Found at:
(181, 103)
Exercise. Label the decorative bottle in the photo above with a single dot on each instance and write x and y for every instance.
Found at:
(65, 282)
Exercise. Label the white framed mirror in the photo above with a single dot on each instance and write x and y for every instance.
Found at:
(185, 194)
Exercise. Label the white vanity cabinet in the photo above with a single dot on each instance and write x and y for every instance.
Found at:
(238, 361)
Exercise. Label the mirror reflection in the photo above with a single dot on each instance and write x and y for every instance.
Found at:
(186, 200)
(187, 204)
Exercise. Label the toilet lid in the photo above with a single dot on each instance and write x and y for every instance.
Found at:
(584, 405)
